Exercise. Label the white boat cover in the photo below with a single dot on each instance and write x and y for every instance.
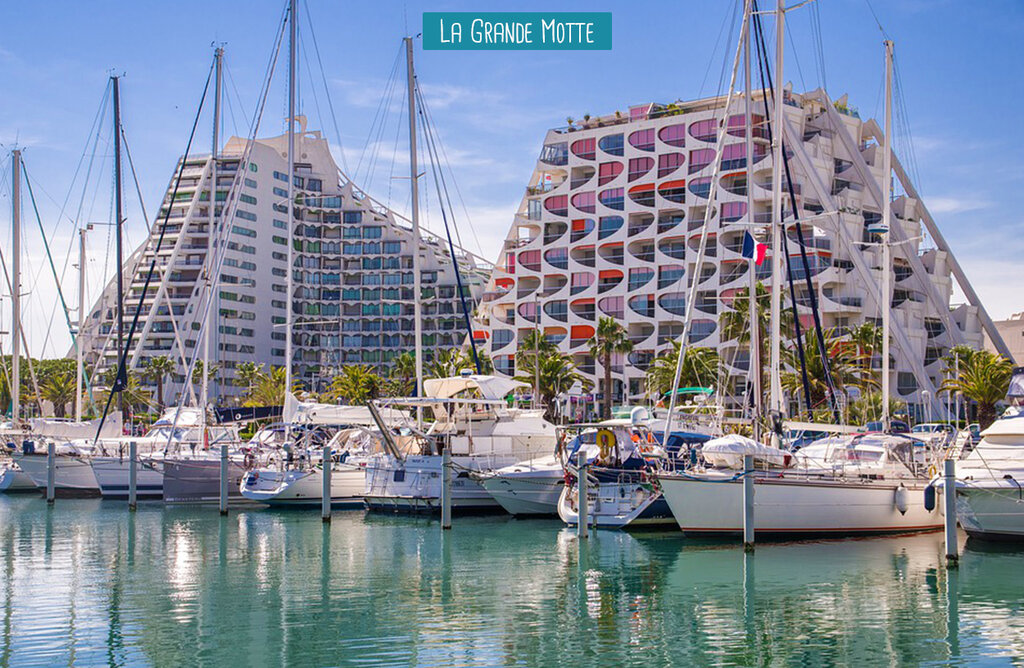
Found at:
(297, 411)
(490, 387)
(70, 430)
(183, 417)
(728, 451)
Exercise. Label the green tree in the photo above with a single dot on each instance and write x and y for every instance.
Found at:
(556, 375)
(609, 339)
(197, 372)
(268, 389)
(58, 387)
(734, 323)
(868, 408)
(700, 369)
(984, 378)
(157, 369)
(246, 374)
(845, 363)
(356, 385)
(136, 397)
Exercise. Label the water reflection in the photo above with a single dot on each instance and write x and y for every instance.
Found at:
(90, 583)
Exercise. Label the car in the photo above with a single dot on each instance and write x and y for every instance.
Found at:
(798, 438)
(895, 426)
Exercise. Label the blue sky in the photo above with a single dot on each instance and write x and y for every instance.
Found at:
(958, 62)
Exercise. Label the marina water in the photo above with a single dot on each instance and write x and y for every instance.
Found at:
(88, 583)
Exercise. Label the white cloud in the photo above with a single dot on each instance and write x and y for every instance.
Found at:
(939, 205)
(996, 283)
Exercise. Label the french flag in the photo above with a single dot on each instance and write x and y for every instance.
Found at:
(752, 250)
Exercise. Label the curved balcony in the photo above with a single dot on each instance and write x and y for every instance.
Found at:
(639, 277)
(583, 255)
(639, 167)
(669, 274)
(642, 305)
(557, 309)
(555, 335)
(608, 172)
(611, 306)
(643, 194)
(639, 332)
(557, 257)
(638, 222)
(581, 176)
(583, 308)
(608, 279)
(642, 250)
(612, 252)
(554, 231)
(581, 227)
(527, 286)
(607, 226)
(673, 302)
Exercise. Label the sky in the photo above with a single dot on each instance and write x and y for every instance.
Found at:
(958, 64)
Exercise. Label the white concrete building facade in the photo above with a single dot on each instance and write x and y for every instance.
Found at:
(353, 281)
(612, 216)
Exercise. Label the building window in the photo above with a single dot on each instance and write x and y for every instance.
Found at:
(584, 202)
(704, 130)
(642, 139)
(607, 172)
(558, 205)
(244, 231)
(639, 166)
(611, 144)
(669, 162)
(613, 197)
(673, 135)
(584, 148)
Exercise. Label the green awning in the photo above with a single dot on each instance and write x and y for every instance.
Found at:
(692, 390)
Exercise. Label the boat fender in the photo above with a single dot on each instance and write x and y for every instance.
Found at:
(929, 498)
(900, 499)
(932, 471)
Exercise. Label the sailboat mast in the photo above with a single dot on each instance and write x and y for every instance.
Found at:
(289, 318)
(122, 373)
(755, 338)
(414, 178)
(885, 303)
(16, 286)
(79, 347)
(211, 279)
(778, 229)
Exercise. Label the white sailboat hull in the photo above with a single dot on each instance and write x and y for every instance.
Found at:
(526, 494)
(304, 488)
(799, 506)
(113, 477)
(73, 476)
(414, 484)
(14, 480)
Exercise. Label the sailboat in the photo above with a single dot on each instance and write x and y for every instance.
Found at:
(862, 484)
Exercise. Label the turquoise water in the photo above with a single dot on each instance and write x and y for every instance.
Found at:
(88, 583)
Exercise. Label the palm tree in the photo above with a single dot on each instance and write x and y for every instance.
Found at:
(59, 389)
(268, 390)
(845, 363)
(734, 322)
(700, 369)
(197, 372)
(868, 408)
(135, 395)
(868, 337)
(609, 339)
(157, 370)
(556, 375)
(246, 374)
(356, 385)
(984, 378)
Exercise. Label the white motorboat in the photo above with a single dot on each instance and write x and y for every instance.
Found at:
(622, 458)
(854, 485)
(530, 487)
(990, 481)
(473, 421)
(302, 484)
